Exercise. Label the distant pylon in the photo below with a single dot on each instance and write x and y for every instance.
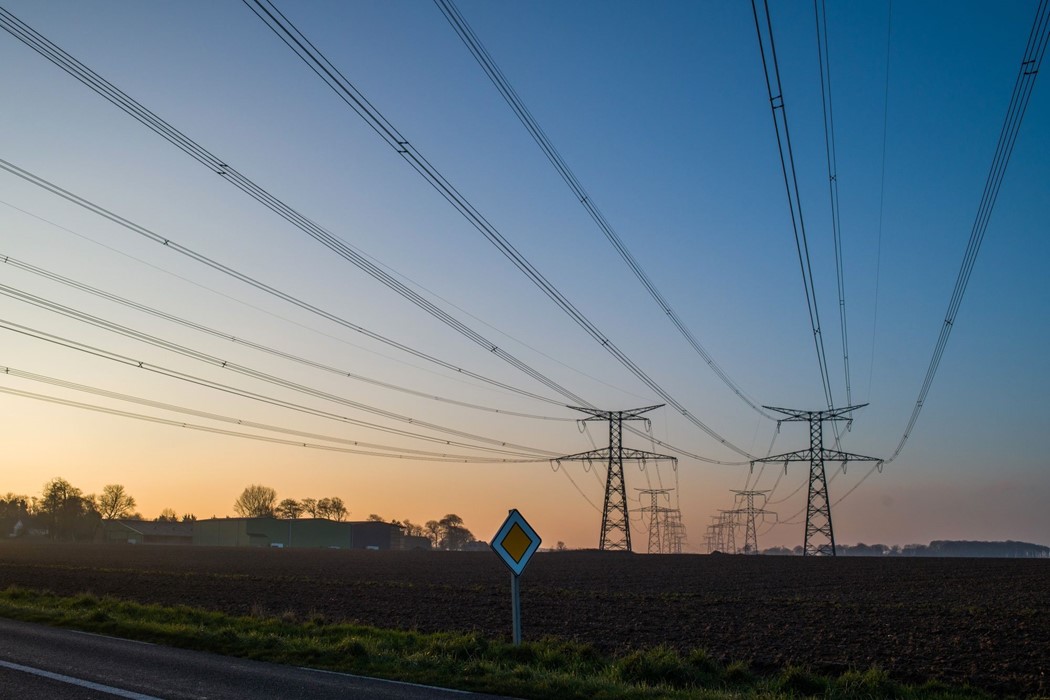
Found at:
(616, 528)
(711, 538)
(818, 503)
(656, 523)
(728, 525)
(749, 512)
(674, 531)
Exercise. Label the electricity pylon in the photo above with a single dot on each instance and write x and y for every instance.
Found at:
(616, 528)
(818, 503)
(674, 531)
(749, 512)
(727, 523)
(711, 538)
(655, 511)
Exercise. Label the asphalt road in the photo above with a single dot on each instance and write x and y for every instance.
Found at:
(44, 662)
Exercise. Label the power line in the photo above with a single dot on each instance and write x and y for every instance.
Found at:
(882, 192)
(200, 381)
(348, 93)
(89, 78)
(259, 346)
(312, 329)
(230, 433)
(235, 367)
(1038, 39)
(484, 59)
(399, 451)
(175, 246)
(771, 72)
(104, 88)
(824, 58)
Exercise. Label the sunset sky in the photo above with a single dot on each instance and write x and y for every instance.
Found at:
(662, 113)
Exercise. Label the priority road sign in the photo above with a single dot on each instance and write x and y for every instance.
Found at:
(515, 542)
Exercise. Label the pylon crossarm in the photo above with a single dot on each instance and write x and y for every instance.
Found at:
(836, 456)
(643, 455)
(598, 414)
(592, 455)
(828, 415)
(799, 456)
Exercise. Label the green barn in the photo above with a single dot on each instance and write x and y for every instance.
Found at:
(304, 532)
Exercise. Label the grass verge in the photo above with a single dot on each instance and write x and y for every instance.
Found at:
(545, 669)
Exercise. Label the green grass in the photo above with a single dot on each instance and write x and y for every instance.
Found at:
(546, 669)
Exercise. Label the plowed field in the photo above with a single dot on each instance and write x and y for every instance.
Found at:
(981, 621)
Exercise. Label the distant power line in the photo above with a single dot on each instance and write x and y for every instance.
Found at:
(7, 260)
(360, 447)
(507, 448)
(249, 436)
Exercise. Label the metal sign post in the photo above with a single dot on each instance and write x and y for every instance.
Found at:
(515, 543)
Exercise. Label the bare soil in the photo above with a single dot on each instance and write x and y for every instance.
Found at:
(985, 622)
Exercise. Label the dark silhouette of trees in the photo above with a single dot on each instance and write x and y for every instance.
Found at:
(289, 509)
(115, 503)
(67, 512)
(256, 501)
(168, 515)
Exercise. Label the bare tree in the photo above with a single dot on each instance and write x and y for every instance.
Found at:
(373, 518)
(309, 506)
(256, 501)
(337, 509)
(412, 529)
(289, 508)
(324, 507)
(168, 515)
(115, 502)
(433, 531)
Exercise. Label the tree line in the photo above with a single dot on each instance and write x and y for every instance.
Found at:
(64, 512)
(258, 501)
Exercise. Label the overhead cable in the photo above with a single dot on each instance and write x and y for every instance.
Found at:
(771, 72)
(200, 381)
(1038, 39)
(249, 436)
(348, 93)
(177, 247)
(824, 59)
(259, 346)
(104, 88)
(506, 90)
(173, 245)
(397, 451)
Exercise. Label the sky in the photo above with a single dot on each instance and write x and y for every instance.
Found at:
(662, 113)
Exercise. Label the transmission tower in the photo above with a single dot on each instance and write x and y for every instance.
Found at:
(655, 510)
(727, 523)
(674, 538)
(818, 504)
(749, 512)
(711, 538)
(616, 528)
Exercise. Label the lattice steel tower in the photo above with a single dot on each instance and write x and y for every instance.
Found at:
(657, 524)
(616, 527)
(749, 512)
(818, 504)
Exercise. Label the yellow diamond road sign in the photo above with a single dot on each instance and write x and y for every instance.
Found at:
(515, 542)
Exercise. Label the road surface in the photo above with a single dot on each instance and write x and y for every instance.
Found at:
(44, 662)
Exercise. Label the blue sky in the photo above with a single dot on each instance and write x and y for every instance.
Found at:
(662, 113)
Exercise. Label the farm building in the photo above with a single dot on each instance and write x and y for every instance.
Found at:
(147, 532)
(305, 532)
